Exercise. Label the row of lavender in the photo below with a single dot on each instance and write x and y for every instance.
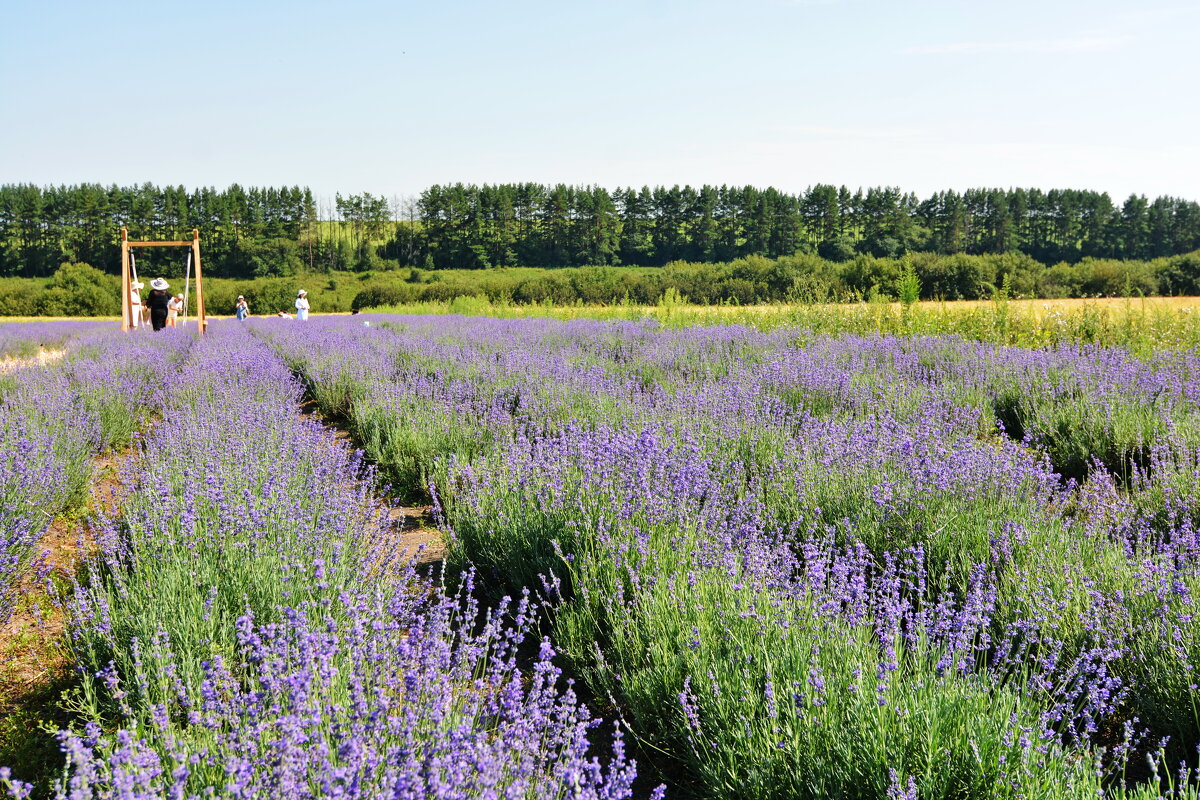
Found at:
(25, 339)
(54, 419)
(245, 627)
(813, 567)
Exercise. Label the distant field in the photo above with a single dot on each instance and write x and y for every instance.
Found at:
(1115, 307)
(56, 319)
(1140, 324)
(1121, 305)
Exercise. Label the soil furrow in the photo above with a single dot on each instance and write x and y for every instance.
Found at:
(36, 675)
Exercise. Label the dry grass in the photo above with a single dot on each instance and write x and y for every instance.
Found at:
(1103, 305)
(1118, 306)
(1038, 308)
(1142, 325)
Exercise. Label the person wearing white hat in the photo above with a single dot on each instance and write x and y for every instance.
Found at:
(158, 301)
(135, 301)
(302, 305)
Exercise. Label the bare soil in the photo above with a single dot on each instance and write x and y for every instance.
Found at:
(416, 533)
(35, 661)
(410, 530)
(43, 357)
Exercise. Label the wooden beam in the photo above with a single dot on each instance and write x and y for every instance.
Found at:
(201, 320)
(161, 244)
(126, 285)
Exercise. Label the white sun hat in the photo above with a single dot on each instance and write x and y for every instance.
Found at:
(159, 284)
(301, 292)
(139, 285)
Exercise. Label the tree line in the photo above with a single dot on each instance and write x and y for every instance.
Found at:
(246, 232)
(531, 224)
(264, 232)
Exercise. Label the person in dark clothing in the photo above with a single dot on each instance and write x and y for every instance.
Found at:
(157, 303)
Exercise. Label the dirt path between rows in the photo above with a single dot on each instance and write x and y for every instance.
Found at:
(412, 528)
(35, 661)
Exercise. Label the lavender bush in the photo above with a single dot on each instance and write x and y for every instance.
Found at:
(801, 565)
(54, 419)
(246, 631)
(25, 339)
(696, 501)
(384, 694)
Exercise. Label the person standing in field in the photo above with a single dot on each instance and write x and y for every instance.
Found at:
(135, 302)
(302, 305)
(242, 309)
(158, 302)
(174, 306)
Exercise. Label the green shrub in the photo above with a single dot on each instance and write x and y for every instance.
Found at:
(81, 290)
(18, 296)
(385, 294)
(1178, 275)
(908, 287)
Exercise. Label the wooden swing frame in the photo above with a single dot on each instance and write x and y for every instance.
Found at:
(127, 278)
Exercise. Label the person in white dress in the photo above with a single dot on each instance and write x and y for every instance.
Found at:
(302, 305)
(135, 300)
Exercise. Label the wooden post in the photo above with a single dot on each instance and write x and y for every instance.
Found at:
(201, 320)
(126, 284)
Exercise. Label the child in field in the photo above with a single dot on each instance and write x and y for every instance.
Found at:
(174, 306)
(242, 309)
(302, 305)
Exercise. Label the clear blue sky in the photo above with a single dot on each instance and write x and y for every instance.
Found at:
(391, 97)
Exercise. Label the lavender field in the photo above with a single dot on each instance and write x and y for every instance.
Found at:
(700, 562)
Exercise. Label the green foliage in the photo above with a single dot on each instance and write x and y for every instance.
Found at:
(384, 295)
(266, 258)
(908, 287)
(29, 722)
(19, 296)
(839, 249)
(1179, 275)
(79, 290)
(715, 244)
